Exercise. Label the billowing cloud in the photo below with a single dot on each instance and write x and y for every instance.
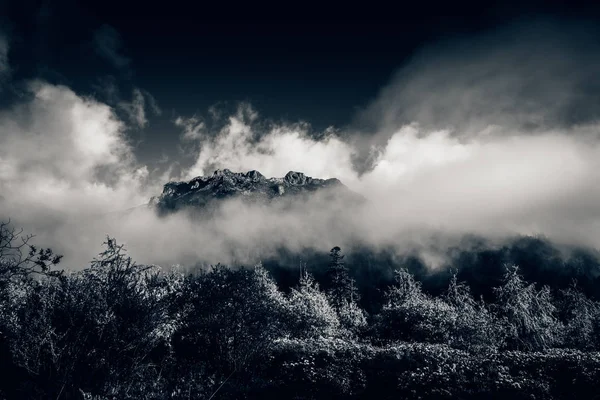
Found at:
(238, 146)
(495, 137)
(137, 109)
(64, 158)
(512, 183)
(192, 128)
(527, 77)
(527, 184)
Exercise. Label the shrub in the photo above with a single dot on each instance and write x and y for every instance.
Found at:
(527, 314)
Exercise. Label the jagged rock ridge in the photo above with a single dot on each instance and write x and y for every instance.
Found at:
(250, 186)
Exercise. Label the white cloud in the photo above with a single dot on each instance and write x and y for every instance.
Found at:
(516, 182)
(531, 76)
(64, 160)
(193, 128)
(136, 110)
(238, 146)
(65, 163)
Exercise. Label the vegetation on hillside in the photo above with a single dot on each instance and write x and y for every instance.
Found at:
(119, 330)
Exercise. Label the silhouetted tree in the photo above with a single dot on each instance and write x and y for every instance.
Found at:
(343, 294)
(19, 257)
(341, 287)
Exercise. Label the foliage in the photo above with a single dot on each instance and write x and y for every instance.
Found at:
(581, 316)
(341, 287)
(311, 314)
(119, 330)
(474, 327)
(528, 315)
(19, 257)
(411, 315)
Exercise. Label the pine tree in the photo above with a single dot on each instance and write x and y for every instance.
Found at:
(342, 288)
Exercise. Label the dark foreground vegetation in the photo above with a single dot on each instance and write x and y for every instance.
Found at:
(118, 330)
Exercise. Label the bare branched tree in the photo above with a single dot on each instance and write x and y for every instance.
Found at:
(19, 257)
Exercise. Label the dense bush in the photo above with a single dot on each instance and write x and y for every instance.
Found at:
(411, 315)
(581, 317)
(119, 330)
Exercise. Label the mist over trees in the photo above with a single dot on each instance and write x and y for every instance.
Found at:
(481, 329)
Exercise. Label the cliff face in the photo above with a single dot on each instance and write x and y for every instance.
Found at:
(249, 186)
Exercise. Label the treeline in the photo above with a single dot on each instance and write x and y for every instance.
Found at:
(478, 262)
(119, 330)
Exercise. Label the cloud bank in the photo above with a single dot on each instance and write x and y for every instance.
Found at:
(529, 77)
(495, 136)
(64, 158)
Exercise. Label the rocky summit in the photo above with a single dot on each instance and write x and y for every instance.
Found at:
(251, 186)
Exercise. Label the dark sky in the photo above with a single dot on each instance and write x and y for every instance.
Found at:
(295, 61)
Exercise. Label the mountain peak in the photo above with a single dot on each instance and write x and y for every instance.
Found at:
(295, 178)
(221, 172)
(250, 186)
(252, 175)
